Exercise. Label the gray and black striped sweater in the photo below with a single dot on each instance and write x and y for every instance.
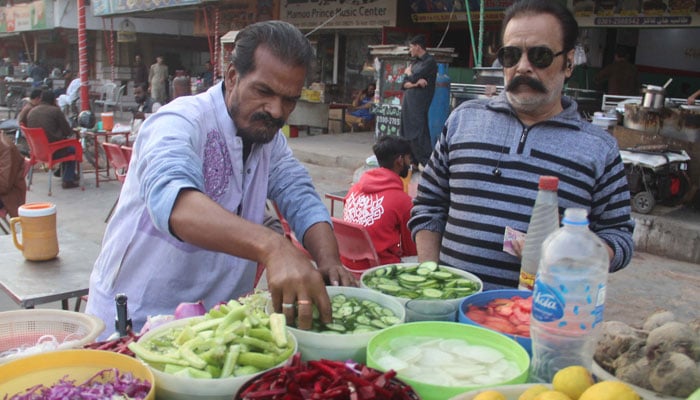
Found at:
(461, 196)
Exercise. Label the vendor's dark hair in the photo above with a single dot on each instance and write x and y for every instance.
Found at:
(283, 40)
(418, 40)
(569, 26)
(388, 147)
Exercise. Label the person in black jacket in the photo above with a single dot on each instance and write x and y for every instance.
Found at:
(419, 88)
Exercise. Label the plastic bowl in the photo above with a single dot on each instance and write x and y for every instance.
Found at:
(172, 387)
(79, 365)
(403, 300)
(482, 299)
(316, 345)
(449, 330)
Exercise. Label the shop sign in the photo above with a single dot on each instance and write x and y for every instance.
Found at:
(101, 8)
(388, 119)
(639, 14)
(25, 17)
(309, 14)
(235, 15)
(442, 11)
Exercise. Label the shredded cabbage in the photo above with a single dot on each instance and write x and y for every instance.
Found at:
(108, 384)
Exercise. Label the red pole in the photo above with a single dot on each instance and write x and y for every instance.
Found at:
(83, 58)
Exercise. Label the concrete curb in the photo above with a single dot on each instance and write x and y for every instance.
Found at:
(667, 237)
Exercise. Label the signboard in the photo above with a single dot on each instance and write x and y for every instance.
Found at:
(388, 119)
(101, 8)
(235, 15)
(25, 17)
(443, 11)
(636, 13)
(311, 14)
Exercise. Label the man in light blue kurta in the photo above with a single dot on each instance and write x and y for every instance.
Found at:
(188, 223)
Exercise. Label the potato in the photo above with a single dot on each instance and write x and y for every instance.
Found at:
(657, 319)
(673, 337)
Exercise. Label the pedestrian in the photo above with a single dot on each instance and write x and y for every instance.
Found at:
(378, 202)
(419, 87)
(361, 117)
(188, 225)
(139, 71)
(146, 106)
(38, 73)
(208, 75)
(48, 116)
(621, 75)
(158, 78)
(34, 99)
(483, 175)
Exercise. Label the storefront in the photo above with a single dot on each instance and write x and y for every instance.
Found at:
(341, 33)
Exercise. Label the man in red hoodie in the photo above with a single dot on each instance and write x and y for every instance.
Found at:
(378, 202)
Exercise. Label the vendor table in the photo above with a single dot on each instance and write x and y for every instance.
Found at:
(94, 137)
(343, 107)
(310, 115)
(30, 283)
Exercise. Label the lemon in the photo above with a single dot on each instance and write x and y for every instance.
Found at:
(490, 395)
(609, 390)
(572, 381)
(552, 395)
(533, 391)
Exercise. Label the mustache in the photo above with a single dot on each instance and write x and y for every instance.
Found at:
(268, 120)
(526, 80)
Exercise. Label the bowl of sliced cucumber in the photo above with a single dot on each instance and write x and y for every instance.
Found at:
(358, 315)
(425, 281)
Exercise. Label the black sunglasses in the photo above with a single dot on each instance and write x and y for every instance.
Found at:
(539, 56)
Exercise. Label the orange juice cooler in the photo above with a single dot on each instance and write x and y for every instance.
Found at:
(37, 228)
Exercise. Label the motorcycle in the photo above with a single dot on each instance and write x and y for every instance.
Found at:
(656, 175)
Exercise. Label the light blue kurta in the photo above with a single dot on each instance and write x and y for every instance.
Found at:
(192, 143)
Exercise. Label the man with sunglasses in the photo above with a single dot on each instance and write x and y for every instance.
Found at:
(483, 175)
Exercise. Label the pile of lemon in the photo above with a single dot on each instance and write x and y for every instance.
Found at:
(571, 383)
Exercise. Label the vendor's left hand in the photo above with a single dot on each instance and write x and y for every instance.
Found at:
(336, 275)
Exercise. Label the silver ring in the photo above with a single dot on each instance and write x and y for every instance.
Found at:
(287, 305)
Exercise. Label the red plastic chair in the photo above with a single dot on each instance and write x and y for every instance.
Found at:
(127, 153)
(354, 243)
(119, 160)
(41, 151)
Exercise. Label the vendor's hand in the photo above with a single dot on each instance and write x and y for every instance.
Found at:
(296, 286)
(337, 275)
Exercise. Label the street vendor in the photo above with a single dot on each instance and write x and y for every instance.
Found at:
(189, 221)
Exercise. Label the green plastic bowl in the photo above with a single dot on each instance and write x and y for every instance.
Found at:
(450, 330)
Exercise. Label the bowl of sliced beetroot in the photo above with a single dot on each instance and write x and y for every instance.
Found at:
(326, 379)
(504, 310)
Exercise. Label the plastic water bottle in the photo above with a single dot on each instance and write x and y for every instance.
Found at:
(569, 298)
(543, 221)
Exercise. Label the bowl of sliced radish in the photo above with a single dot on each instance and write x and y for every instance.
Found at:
(425, 281)
(358, 315)
(440, 360)
(504, 310)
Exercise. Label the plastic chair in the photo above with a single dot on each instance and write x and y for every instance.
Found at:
(127, 150)
(112, 97)
(41, 151)
(354, 243)
(117, 158)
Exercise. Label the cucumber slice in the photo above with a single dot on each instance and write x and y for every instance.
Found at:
(429, 265)
(390, 289)
(432, 293)
(336, 327)
(411, 279)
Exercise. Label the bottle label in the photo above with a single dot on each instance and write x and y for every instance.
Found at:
(527, 280)
(547, 304)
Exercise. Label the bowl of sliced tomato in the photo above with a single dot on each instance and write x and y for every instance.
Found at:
(506, 311)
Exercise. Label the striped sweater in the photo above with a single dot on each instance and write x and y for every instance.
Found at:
(461, 197)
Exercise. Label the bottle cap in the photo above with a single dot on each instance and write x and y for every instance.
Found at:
(575, 216)
(549, 183)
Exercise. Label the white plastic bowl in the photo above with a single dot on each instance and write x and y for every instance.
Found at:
(341, 347)
(171, 387)
(404, 300)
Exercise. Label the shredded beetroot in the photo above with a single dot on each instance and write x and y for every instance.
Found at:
(326, 380)
(103, 385)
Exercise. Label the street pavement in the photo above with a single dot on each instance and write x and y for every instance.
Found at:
(648, 284)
